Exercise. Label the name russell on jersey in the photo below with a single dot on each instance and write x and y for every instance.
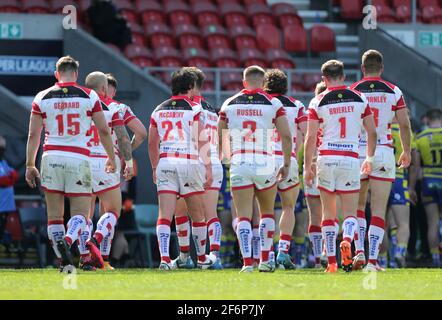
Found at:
(249, 112)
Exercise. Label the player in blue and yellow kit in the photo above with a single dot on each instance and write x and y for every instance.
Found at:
(429, 146)
(399, 205)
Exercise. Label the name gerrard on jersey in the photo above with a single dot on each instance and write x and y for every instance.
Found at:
(66, 105)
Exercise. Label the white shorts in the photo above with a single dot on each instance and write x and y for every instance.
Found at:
(313, 191)
(218, 175)
(67, 175)
(253, 172)
(338, 174)
(292, 180)
(180, 176)
(384, 166)
(101, 180)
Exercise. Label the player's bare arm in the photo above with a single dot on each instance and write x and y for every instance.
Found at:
(223, 140)
(204, 152)
(35, 128)
(125, 147)
(370, 128)
(139, 131)
(106, 139)
(154, 150)
(405, 132)
(309, 151)
(282, 125)
(415, 169)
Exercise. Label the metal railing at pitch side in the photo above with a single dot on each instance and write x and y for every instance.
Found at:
(218, 95)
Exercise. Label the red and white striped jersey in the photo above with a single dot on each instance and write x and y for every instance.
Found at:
(174, 120)
(112, 115)
(250, 117)
(340, 111)
(295, 115)
(384, 99)
(66, 109)
(210, 119)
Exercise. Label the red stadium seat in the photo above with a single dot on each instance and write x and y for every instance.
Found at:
(167, 57)
(322, 39)
(297, 82)
(209, 82)
(432, 14)
(243, 37)
(398, 3)
(268, 36)
(137, 33)
(231, 81)
(196, 57)
(83, 4)
(193, 2)
(278, 58)
(295, 39)
(216, 37)
(127, 10)
(310, 81)
(233, 14)
(151, 12)
(206, 13)
(385, 14)
(403, 14)
(260, 14)
(224, 58)
(228, 1)
(139, 55)
(188, 36)
(10, 6)
(380, 3)
(351, 9)
(254, 2)
(58, 5)
(250, 57)
(286, 15)
(36, 6)
(178, 13)
(427, 3)
(160, 35)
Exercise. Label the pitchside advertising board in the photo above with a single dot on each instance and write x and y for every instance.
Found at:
(26, 66)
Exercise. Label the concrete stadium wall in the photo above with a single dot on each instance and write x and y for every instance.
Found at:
(419, 78)
(136, 88)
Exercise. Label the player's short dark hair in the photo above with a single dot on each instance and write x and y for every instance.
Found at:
(434, 114)
(111, 80)
(275, 82)
(372, 61)
(254, 72)
(320, 88)
(67, 64)
(183, 80)
(333, 69)
(200, 76)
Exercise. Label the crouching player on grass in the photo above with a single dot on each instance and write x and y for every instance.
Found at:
(176, 140)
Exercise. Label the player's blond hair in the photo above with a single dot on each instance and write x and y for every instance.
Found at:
(254, 75)
(96, 80)
(320, 88)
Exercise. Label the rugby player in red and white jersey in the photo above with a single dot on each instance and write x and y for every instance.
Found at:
(176, 139)
(313, 199)
(130, 119)
(248, 120)
(275, 84)
(386, 101)
(341, 112)
(66, 111)
(209, 117)
(104, 186)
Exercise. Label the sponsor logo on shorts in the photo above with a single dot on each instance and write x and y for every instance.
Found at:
(56, 165)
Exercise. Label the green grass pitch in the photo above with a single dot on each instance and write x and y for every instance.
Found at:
(226, 284)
